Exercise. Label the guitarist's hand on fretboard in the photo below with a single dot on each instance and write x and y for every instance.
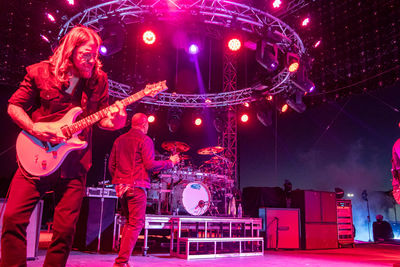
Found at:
(47, 132)
(116, 117)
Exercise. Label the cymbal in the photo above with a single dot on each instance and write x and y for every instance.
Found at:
(175, 146)
(213, 160)
(210, 150)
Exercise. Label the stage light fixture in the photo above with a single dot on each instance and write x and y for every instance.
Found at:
(296, 102)
(305, 22)
(339, 193)
(44, 38)
(113, 35)
(174, 119)
(149, 37)
(265, 117)
(292, 62)
(244, 118)
(198, 121)
(50, 17)
(301, 80)
(234, 44)
(103, 50)
(246, 104)
(277, 4)
(193, 49)
(317, 43)
(151, 118)
(284, 108)
(220, 122)
(71, 2)
(267, 55)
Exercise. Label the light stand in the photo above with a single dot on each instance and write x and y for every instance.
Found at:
(364, 196)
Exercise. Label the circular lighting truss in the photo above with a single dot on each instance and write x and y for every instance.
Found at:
(217, 14)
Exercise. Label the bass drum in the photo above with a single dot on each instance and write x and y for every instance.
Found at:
(194, 198)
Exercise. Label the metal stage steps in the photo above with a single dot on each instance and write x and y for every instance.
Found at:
(194, 237)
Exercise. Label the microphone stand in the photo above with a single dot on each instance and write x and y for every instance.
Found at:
(102, 204)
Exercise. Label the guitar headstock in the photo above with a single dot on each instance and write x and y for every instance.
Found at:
(155, 88)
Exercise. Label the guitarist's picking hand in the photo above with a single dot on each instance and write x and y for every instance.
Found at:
(45, 132)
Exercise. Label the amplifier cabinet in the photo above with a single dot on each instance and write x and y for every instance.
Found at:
(32, 231)
(318, 218)
(281, 227)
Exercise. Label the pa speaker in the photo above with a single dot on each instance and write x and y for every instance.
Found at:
(32, 231)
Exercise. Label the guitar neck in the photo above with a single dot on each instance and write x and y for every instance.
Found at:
(101, 114)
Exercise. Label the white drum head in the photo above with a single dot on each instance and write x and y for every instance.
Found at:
(196, 198)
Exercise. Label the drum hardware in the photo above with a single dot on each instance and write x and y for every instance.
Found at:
(175, 146)
(212, 150)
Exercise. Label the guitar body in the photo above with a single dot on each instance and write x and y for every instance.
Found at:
(42, 158)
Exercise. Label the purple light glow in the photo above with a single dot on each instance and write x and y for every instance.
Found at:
(193, 49)
(103, 50)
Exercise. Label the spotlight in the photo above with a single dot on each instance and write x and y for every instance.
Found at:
(246, 104)
(50, 17)
(305, 22)
(113, 35)
(198, 121)
(264, 113)
(277, 3)
(193, 49)
(151, 119)
(244, 118)
(305, 85)
(71, 2)
(220, 122)
(103, 50)
(296, 102)
(265, 117)
(149, 37)
(317, 44)
(339, 192)
(301, 81)
(292, 61)
(174, 119)
(267, 55)
(234, 44)
(284, 108)
(44, 38)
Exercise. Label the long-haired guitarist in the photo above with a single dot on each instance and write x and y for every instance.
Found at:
(396, 170)
(71, 78)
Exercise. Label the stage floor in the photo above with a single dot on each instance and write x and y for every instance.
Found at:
(363, 254)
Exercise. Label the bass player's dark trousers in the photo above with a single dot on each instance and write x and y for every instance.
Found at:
(24, 194)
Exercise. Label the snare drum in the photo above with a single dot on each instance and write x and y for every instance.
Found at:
(194, 198)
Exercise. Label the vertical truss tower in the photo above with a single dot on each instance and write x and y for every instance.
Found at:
(228, 139)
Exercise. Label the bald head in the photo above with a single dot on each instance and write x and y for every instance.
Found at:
(139, 121)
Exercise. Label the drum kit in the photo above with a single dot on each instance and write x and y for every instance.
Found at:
(185, 189)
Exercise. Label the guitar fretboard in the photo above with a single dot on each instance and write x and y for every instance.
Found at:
(101, 114)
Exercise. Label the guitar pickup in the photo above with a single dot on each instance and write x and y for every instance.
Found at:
(44, 164)
(54, 154)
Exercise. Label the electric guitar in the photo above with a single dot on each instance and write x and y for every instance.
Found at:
(40, 158)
